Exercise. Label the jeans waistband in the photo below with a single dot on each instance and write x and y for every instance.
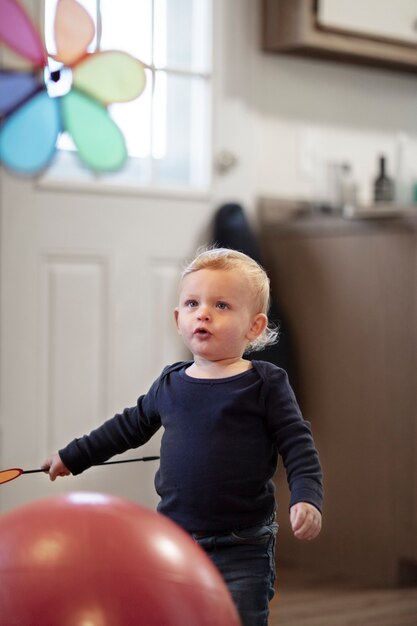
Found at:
(204, 533)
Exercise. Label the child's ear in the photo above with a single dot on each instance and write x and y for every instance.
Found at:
(176, 314)
(258, 326)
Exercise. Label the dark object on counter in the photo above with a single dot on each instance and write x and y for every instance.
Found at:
(232, 230)
(384, 188)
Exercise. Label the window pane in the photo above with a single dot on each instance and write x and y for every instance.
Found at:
(134, 120)
(127, 26)
(167, 129)
(182, 34)
(181, 142)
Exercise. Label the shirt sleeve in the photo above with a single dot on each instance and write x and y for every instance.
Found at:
(129, 429)
(292, 435)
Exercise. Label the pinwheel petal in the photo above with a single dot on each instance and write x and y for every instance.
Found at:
(18, 32)
(74, 31)
(15, 87)
(99, 141)
(110, 76)
(28, 136)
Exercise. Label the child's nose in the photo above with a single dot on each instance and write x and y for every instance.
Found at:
(203, 313)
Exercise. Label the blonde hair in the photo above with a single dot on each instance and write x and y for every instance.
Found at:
(227, 259)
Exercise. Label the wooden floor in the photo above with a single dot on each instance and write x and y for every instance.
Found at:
(332, 605)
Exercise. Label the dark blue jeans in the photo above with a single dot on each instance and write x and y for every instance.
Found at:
(246, 560)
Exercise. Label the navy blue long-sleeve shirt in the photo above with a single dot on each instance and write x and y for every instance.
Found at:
(220, 446)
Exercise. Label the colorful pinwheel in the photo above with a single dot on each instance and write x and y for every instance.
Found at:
(31, 119)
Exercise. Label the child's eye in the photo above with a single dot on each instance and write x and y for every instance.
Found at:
(222, 305)
(191, 304)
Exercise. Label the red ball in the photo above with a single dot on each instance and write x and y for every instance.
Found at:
(87, 559)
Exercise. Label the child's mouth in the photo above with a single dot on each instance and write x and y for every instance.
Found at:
(201, 332)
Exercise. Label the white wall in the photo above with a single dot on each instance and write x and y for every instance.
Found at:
(278, 110)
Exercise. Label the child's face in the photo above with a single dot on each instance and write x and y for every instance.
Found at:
(216, 316)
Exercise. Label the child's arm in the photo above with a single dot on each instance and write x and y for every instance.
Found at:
(129, 429)
(292, 436)
(305, 520)
(55, 467)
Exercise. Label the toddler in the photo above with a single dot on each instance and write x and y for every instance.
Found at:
(226, 420)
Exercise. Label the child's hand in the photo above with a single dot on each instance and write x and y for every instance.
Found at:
(305, 520)
(55, 467)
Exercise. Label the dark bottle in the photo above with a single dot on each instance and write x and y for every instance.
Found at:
(384, 185)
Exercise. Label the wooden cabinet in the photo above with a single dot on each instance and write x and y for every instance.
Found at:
(298, 27)
(348, 290)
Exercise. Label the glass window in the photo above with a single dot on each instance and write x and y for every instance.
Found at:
(168, 128)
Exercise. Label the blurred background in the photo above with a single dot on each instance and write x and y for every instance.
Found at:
(303, 115)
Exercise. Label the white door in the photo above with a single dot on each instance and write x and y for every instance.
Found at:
(88, 285)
